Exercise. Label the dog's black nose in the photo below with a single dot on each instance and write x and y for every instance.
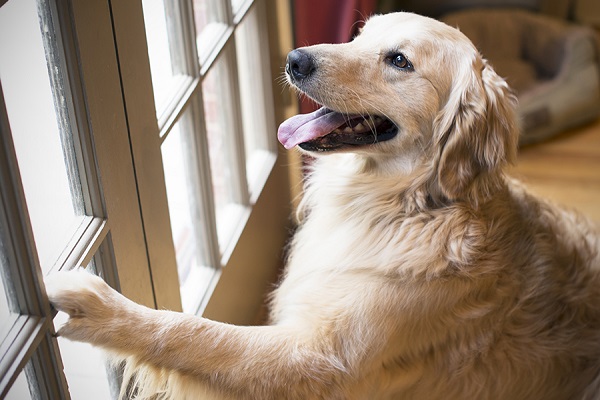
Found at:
(299, 65)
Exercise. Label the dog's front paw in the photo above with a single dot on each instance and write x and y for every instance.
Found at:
(89, 302)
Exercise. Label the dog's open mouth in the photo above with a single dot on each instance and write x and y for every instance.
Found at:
(327, 130)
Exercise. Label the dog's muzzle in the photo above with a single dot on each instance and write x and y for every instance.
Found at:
(327, 129)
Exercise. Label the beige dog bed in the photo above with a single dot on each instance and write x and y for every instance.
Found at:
(553, 66)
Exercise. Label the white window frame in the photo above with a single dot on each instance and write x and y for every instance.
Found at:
(144, 133)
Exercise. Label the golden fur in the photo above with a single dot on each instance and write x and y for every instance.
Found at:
(419, 271)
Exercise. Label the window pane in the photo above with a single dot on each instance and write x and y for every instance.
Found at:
(36, 106)
(223, 144)
(164, 51)
(207, 12)
(25, 387)
(191, 232)
(216, 114)
(210, 20)
(257, 115)
(236, 4)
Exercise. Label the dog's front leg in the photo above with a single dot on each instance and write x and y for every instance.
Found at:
(257, 362)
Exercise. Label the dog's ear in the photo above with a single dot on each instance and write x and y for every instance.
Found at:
(475, 133)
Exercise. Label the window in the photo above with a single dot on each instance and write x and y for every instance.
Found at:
(29, 65)
(137, 141)
(207, 111)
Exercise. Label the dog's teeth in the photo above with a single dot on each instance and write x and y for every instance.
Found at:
(337, 130)
(359, 127)
(347, 129)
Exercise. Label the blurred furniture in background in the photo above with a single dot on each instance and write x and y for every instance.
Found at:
(543, 49)
(552, 65)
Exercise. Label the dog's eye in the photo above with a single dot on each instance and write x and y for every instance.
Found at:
(399, 61)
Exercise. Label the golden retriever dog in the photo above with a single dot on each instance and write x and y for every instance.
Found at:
(419, 270)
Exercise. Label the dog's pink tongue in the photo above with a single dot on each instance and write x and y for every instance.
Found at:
(304, 127)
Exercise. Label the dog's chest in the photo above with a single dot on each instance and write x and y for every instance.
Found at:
(333, 260)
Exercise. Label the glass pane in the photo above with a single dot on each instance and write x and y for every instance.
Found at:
(166, 62)
(210, 20)
(222, 146)
(190, 230)
(207, 12)
(257, 115)
(236, 4)
(37, 110)
(215, 114)
(25, 387)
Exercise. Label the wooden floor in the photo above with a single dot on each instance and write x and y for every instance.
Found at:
(565, 169)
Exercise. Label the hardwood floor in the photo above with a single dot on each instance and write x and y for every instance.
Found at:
(565, 169)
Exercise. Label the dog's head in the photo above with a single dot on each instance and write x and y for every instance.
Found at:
(407, 88)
